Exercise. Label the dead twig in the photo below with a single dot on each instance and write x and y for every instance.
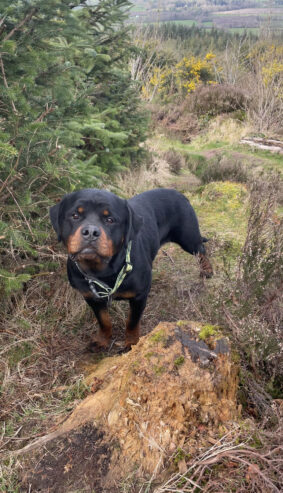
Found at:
(15, 111)
(48, 109)
(21, 211)
(166, 254)
(5, 182)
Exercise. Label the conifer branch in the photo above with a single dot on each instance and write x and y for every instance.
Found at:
(6, 84)
(48, 109)
(24, 21)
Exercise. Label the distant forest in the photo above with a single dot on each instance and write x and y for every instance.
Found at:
(195, 39)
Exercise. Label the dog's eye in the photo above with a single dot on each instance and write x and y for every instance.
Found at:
(109, 220)
(75, 215)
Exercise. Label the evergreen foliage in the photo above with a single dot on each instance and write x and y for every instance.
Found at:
(69, 111)
(197, 40)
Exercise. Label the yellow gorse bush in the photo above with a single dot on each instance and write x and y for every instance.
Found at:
(183, 77)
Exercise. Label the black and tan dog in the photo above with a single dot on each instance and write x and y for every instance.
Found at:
(112, 243)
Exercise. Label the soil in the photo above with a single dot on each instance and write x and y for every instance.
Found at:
(77, 462)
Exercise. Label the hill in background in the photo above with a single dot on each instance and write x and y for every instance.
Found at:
(234, 14)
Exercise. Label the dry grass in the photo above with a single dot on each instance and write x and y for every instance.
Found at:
(233, 463)
(224, 129)
(41, 342)
(175, 159)
(46, 327)
(154, 174)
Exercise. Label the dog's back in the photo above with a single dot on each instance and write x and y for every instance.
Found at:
(168, 216)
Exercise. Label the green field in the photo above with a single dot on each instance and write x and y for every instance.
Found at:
(243, 19)
(186, 22)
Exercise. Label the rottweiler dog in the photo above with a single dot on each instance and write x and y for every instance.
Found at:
(112, 243)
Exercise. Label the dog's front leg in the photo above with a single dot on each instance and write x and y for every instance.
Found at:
(133, 323)
(103, 336)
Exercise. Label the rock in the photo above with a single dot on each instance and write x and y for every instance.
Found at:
(150, 399)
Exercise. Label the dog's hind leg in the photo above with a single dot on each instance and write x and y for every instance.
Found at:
(192, 242)
(206, 269)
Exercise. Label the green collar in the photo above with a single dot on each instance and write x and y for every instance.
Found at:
(105, 290)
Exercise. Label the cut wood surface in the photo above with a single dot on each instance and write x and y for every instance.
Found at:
(264, 144)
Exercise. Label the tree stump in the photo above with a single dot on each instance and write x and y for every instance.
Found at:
(143, 406)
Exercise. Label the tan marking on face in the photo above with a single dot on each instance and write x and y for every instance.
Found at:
(74, 241)
(105, 246)
(105, 213)
(81, 209)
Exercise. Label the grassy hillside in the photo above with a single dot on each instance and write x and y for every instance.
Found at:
(232, 15)
(201, 105)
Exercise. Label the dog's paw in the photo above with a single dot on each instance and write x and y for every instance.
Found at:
(206, 269)
(206, 273)
(131, 341)
(98, 344)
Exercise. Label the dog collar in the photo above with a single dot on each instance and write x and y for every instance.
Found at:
(105, 290)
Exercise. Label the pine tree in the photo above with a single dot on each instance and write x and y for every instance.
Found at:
(69, 112)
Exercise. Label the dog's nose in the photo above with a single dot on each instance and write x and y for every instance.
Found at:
(90, 232)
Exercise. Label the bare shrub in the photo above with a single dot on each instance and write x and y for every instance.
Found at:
(216, 99)
(265, 109)
(261, 262)
(177, 120)
(175, 159)
(264, 83)
(248, 300)
(222, 168)
(255, 317)
(233, 61)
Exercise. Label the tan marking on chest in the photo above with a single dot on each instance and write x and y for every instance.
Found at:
(90, 263)
(87, 294)
(126, 294)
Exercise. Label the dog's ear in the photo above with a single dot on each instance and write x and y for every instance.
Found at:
(54, 217)
(135, 222)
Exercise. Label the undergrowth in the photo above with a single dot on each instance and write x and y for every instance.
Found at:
(46, 327)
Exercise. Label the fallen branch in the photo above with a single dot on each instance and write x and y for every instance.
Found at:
(37, 443)
(264, 144)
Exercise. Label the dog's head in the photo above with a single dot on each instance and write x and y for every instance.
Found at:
(94, 225)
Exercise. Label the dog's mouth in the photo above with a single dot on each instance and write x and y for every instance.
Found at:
(89, 254)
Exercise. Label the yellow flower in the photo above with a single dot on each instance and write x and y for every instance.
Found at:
(209, 56)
